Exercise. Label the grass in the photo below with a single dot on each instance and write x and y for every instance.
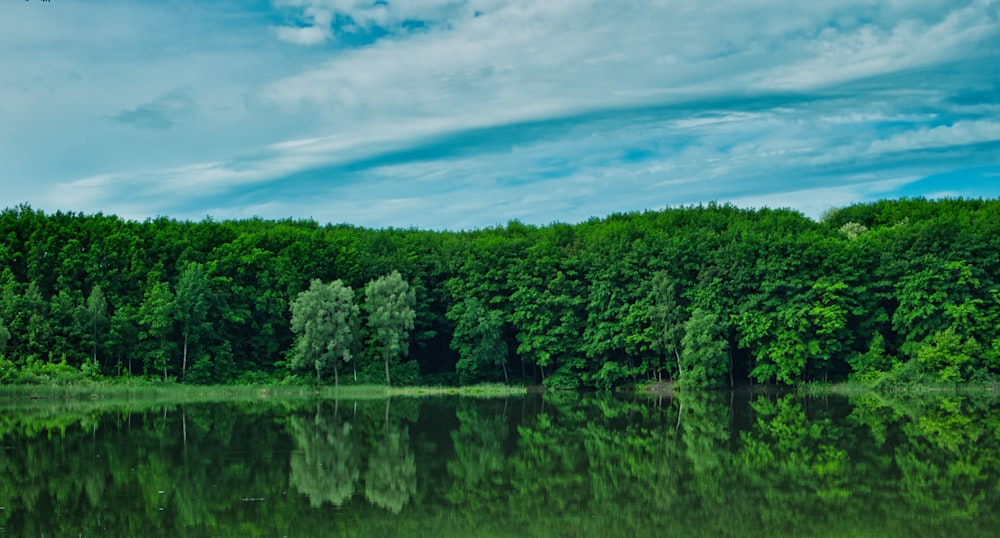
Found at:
(166, 392)
(984, 388)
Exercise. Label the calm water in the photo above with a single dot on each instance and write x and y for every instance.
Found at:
(702, 465)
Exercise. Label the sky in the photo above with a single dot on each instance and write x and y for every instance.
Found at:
(463, 114)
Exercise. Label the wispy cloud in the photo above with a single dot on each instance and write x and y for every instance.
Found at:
(466, 113)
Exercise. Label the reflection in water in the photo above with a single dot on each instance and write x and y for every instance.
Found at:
(325, 465)
(391, 478)
(706, 464)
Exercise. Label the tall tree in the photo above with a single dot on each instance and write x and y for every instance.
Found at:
(67, 317)
(322, 322)
(667, 317)
(478, 340)
(36, 323)
(389, 301)
(156, 317)
(192, 307)
(97, 317)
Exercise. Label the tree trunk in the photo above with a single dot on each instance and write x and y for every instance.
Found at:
(385, 355)
(505, 379)
(336, 376)
(730, 353)
(184, 361)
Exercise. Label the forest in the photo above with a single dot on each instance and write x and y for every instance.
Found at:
(883, 293)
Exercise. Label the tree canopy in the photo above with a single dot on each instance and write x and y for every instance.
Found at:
(884, 290)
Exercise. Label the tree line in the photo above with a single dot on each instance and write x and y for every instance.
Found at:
(885, 292)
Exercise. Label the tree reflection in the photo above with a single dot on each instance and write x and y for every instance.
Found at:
(699, 464)
(391, 478)
(325, 466)
(478, 441)
(948, 462)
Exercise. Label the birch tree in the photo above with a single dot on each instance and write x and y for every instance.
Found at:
(389, 301)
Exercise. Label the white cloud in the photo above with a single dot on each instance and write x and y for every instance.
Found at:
(961, 133)
(465, 111)
(876, 49)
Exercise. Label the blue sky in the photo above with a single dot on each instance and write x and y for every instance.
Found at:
(449, 114)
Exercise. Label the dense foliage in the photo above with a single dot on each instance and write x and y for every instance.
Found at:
(886, 292)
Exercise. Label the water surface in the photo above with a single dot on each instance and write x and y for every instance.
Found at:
(716, 464)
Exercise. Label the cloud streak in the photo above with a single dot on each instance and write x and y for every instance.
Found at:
(448, 114)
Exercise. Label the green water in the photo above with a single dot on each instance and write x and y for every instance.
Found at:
(717, 464)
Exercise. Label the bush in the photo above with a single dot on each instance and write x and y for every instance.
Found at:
(256, 378)
(36, 372)
(7, 370)
(901, 375)
(562, 381)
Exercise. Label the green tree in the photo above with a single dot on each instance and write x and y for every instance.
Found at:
(926, 296)
(389, 301)
(949, 357)
(667, 317)
(156, 318)
(868, 366)
(66, 317)
(322, 322)
(123, 335)
(97, 317)
(832, 308)
(478, 339)
(4, 338)
(703, 351)
(191, 308)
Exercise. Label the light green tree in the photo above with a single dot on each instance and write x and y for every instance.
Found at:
(949, 357)
(322, 321)
(389, 301)
(667, 318)
(192, 307)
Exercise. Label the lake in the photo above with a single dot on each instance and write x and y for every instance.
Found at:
(568, 465)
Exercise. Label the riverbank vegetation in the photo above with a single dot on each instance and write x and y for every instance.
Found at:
(884, 294)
